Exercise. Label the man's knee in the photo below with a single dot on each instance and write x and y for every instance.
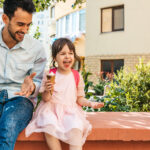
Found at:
(16, 115)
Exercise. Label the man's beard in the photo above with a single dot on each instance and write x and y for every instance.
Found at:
(12, 34)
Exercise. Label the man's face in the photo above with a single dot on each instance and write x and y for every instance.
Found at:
(19, 24)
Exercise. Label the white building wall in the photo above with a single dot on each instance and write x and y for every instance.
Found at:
(66, 8)
(135, 39)
(1, 21)
(42, 20)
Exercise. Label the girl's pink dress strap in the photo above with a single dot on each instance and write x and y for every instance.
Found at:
(76, 76)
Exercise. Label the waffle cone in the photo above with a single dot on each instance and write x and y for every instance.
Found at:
(52, 79)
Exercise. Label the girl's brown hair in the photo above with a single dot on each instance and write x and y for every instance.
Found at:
(58, 45)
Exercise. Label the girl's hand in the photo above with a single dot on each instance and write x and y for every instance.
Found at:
(96, 105)
(49, 86)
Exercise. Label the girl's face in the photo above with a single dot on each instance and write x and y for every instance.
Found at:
(65, 59)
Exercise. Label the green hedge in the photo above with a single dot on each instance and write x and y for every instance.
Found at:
(129, 91)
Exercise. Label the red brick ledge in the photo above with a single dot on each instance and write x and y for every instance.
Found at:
(111, 126)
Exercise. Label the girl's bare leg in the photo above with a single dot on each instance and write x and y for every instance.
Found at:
(76, 136)
(72, 147)
(52, 142)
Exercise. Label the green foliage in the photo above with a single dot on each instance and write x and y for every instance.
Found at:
(37, 33)
(79, 3)
(130, 91)
(88, 84)
(1, 3)
(44, 4)
(99, 88)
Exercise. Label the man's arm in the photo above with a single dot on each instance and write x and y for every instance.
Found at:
(39, 67)
(31, 84)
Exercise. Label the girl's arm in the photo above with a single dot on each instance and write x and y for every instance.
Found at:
(84, 102)
(46, 96)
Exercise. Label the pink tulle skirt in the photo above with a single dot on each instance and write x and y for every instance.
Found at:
(65, 122)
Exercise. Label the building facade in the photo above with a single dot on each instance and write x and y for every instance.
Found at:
(1, 21)
(41, 20)
(117, 34)
(70, 23)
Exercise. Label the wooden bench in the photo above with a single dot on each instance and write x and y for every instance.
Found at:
(111, 131)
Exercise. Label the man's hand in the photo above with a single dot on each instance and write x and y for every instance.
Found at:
(27, 87)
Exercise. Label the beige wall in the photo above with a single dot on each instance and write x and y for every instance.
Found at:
(80, 45)
(63, 9)
(135, 39)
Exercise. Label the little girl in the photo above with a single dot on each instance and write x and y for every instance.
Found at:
(60, 115)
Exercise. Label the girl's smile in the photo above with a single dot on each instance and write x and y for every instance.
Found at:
(67, 63)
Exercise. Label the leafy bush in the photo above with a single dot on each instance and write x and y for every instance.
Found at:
(130, 91)
(37, 33)
(98, 89)
(88, 84)
(100, 86)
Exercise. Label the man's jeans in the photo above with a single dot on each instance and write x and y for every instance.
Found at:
(15, 115)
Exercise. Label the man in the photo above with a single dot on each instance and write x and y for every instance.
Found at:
(22, 61)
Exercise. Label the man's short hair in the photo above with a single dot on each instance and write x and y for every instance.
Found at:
(10, 6)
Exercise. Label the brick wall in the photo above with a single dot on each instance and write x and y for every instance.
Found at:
(93, 63)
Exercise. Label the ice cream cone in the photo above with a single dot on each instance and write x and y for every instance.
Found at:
(51, 77)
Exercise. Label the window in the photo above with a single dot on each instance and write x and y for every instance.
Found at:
(82, 20)
(74, 22)
(67, 23)
(53, 12)
(111, 66)
(40, 16)
(42, 22)
(71, 24)
(112, 19)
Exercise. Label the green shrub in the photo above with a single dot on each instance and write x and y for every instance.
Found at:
(88, 84)
(99, 87)
(130, 91)
(37, 33)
